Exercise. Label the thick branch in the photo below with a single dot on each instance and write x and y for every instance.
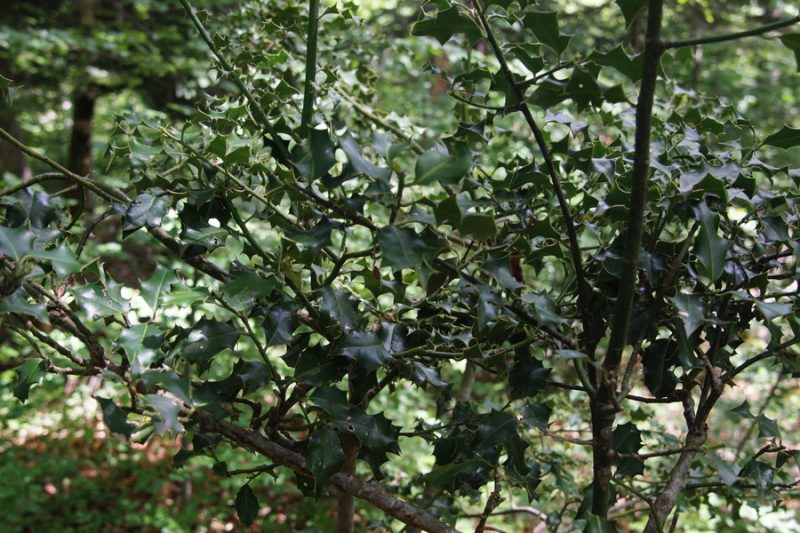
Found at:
(732, 36)
(370, 492)
(604, 404)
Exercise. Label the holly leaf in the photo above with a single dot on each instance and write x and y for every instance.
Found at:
(792, 42)
(168, 410)
(536, 415)
(158, 284)
(544, 25)
(527, 377)
(145, 210)
(339, 306)
(18, 303)
(115, 418)
(690, 311)
(325, 456)
(447, 23)
(402, 248)
(28, 374)
(439, 166)
(710, 248)
(205, 339)
(246, 505)
(626, 439)
(787, 137)
(97, 303)
(359, 163)
(365, 348)
(142, 344)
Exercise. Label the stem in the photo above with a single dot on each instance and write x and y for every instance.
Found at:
(603, 404)
(256, 108)
(732, 36)
(34, 180)
(574, 246)
(311, 66)
(105, 191)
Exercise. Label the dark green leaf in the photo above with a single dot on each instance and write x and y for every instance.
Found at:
(494, 429)
(325, 456)
(480, 226)
(28, 373)
(500, 268)
(792, 42)
(690, 311)
(710, 247)
(158, 284)
(280, 323)
(339, 306)
(447, 23)
(787, 137)
(205, 339)
(360, 164)
(544, 25)
(246, 505)
(97, 303)
(536, 415)
(366, 348)
(115, 418)
(402, 248)
(439, 166)
(626, 439)
(168, 410)
(596, 524)
(18, 303)
(630, 9)
(727, 472)
(142, 344)
(527, 377)
(767, 427)
(146, 211)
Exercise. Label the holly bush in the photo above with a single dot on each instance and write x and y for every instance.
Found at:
(557, 301)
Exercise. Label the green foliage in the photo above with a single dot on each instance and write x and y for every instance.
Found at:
(441, 285)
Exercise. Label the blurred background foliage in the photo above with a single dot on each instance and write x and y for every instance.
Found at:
(78, 65)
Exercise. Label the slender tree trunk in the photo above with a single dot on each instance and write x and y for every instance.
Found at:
(604, 405)
(11, 159)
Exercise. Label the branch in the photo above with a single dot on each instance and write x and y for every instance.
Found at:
(228, 69)
(33, 181)
(115, 195)
(769, 352)
(311, 65)
(106, 191)
(574, 246)
(732, 36)
(370, 492)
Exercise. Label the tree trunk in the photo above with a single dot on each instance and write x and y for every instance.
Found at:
(11, 159)
(80, 144)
